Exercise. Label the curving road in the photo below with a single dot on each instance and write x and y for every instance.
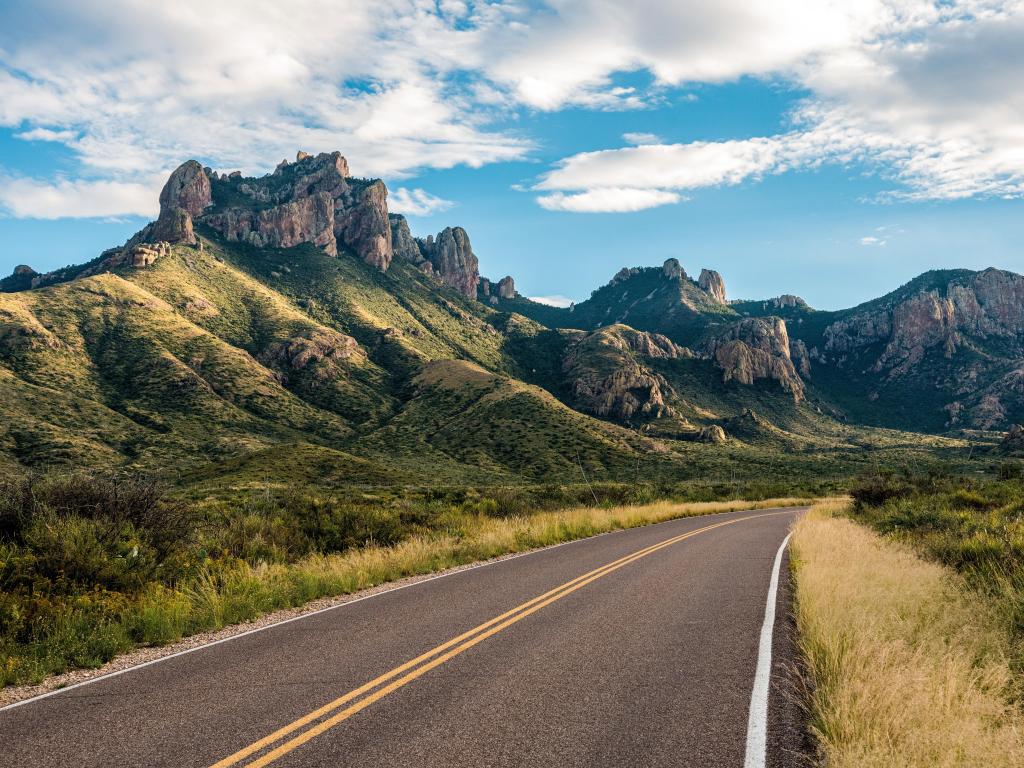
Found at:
(636, 648)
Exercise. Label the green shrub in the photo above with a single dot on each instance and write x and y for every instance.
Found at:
(875, 489)
(1011, 470)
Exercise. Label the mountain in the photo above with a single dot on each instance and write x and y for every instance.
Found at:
(944, 351)
(291, 327)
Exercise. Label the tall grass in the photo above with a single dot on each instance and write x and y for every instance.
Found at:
(83, 634)
(909, 667)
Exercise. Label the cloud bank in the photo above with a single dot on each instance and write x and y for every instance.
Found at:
(925, 93)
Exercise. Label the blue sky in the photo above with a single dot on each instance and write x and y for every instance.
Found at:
(833, 150)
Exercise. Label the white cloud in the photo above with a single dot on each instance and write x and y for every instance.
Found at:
(569, 52)
(871, 240)
(640, 138)
(555, 300)
(416, 202)
(926, 94)
(608, 200)
(132, 88)
(28, 198)
(926, 91)
(665, 166)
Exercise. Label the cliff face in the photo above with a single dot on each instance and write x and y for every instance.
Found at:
(310, 201)
(756, 348)
(956, 337)
(985, 305)
(185, 196)
(609, 376)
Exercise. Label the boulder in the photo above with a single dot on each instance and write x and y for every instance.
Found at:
(712, 434)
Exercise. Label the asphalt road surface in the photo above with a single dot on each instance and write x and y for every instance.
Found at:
(635, 648)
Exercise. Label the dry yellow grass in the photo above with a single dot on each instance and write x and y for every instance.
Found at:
(909, 668)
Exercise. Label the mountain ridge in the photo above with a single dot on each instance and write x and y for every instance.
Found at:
(295, 310)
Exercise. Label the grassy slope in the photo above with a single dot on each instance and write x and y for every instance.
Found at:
(151, 377)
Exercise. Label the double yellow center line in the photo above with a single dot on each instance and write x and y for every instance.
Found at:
(331, 714)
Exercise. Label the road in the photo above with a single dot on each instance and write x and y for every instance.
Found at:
(635, 648)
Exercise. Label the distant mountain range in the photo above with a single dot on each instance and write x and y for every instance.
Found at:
(289, 326)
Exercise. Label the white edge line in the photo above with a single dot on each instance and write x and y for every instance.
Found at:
(757, 722)
(253, 631)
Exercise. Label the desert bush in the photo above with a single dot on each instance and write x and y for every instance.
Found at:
(875, 489)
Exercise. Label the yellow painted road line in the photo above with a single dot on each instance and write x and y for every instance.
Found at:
(467, 639)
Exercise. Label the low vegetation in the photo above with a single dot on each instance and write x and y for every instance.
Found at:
(972, 524)
(93, 565)
(907, 666)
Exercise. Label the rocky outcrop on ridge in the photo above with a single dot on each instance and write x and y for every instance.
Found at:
(403, 243)
(185, 196)
(713, 283)
(20, 279)
(756, 348)
(492, 292)
(313, 200)
(957, 334)
(608, 376)
(448, 257)
(712, 434)
(673, 270)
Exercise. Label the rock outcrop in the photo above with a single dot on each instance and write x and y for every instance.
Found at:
(448, 257)
(365, 227)
(756, 348)
(186, 196)
(491, 292)
(307, 220)
(403, 244)
(452, 260)
(19, 280)
(713, 283)
(787, 301)
(609, 378)
(957, 334)
(712, 434)
(507, 287)
(673, 270)
(313, 200)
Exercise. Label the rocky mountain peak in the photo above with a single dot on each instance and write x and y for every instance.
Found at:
(673, 270)
(453, 260)
(713, 283)
(186, 195)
